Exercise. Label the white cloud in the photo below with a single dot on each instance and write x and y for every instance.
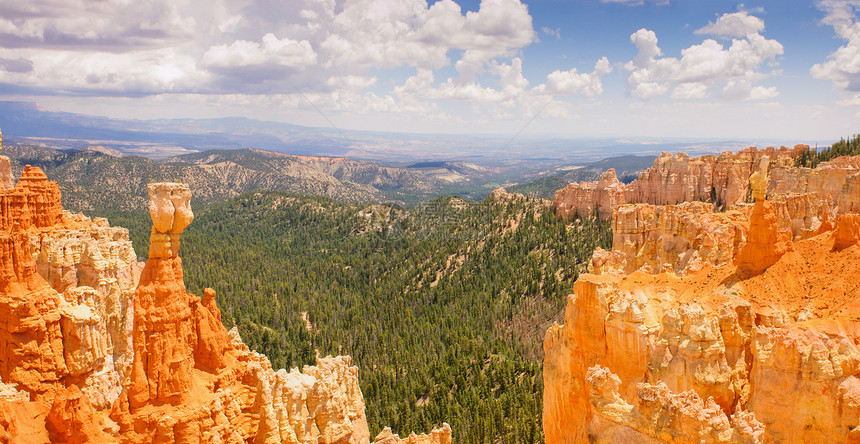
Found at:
(270, 55)
(572, 82)
(135, 73)
(737, 24)
(705, 65)
(113, 25)
(692, 90)
(851, 101)
(512, 93)
(843, 65)
(332, 52)
(553, 32)
(742, 89)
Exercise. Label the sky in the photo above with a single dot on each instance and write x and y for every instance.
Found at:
(785, 69)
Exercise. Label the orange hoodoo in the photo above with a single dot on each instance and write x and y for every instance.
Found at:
(767, 240)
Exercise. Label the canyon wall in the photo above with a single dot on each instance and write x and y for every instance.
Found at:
(95, 349)
(722, 180)
(734, 327)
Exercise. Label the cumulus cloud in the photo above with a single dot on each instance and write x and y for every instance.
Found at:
(843, 65)
(339, 54)
(512, 91)
(559, 83)
(737, 24)
(113, 26)
(706, 65)
(271, 58)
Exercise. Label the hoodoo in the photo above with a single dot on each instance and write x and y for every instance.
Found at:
(767, 241)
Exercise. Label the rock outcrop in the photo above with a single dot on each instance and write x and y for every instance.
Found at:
(93, 349)
(722, 180)
(441, 435)
(676, 238)
(7, 180)
(711, 327)
(584, 197)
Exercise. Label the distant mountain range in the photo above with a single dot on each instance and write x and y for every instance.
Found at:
(103, 163)
(28, 123)
(97, 179)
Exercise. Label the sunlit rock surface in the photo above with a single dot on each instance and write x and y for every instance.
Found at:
(722, 180)
(697, 326)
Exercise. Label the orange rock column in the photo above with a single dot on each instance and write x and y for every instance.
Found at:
(767, 241)
(164, 334)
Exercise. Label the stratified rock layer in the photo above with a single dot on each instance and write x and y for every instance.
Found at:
(722, 180)
(711, 327)
(584, 197)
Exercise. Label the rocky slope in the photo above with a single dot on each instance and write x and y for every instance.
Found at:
(723, 180)
(736, 327)
(94, 349)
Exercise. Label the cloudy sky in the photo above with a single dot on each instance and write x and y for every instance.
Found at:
(787, 69)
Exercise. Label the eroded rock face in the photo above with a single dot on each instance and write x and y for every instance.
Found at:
(584, 197)
(7, 180)
(758, 343)
(678, 238)
(91, 254)
(722, 180)
(659, 415)
(30, 332)
(849, 198)
(827, 180)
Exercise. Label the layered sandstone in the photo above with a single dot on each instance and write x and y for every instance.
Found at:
(711, 327)
(678, 238)
(722, 180)
(584, 197)
(829, 180)
(89, 354)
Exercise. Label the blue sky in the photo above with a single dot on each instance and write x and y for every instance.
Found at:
(787, 70)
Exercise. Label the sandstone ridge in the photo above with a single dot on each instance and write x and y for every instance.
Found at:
(94, 349)
(722, 180)
(699, 326)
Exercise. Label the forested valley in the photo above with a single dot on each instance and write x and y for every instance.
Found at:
(442, 307)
